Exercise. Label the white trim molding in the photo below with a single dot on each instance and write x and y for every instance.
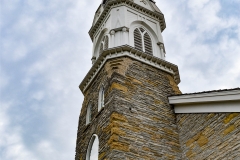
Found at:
(128, 51)
(207, 102)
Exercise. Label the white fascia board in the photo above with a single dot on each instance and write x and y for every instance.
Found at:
(216, 107)
(213, 102)
(233, 95)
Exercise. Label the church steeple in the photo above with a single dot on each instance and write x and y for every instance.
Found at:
(118, 19)
(126, 110)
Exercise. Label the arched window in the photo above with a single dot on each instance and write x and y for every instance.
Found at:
(104, 44)
(101, 98)
(92, 151)
(89, 114)
(142, 41)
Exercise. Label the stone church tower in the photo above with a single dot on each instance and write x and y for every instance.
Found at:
(126, 109)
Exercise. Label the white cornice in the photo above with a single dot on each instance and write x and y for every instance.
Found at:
(219, 101)
(131, 52)
(206, 97)
(108, 6)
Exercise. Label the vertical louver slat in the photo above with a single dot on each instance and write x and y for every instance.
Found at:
(106, 43)
(147, 44)
(137, 39)
(101, 49)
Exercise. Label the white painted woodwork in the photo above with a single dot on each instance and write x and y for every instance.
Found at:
(212, 102)
(121, 21)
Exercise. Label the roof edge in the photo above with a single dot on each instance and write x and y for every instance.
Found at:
(206, 97)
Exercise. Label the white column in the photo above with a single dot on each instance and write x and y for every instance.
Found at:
(112, 41)
(94, 45)
(124, 38)
(162, 50)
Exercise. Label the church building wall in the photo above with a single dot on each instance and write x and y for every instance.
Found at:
(209, 136)
(147, 127)
(137, 121)
(99, 119)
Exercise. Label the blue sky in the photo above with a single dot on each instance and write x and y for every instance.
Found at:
(46, 52)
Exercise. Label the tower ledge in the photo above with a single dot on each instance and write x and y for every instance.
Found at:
(128, 51)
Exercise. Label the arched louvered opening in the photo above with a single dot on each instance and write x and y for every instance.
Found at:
(106, 42)
(101, 49)
(142, 40)
(147, 44)
(138, 39)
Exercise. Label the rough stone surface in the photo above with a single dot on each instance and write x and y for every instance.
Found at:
(137, 121)
(209, 136)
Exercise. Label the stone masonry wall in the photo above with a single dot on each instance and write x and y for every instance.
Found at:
(213, 136)
(137, 121)
(149, 130)
(99, 119)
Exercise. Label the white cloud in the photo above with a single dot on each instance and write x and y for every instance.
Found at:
(195, 4)
(200, 42)
(4, 120)
(39, 95)
(16, 150)
(4, 79)
(46, 150)
(11, 143)
(49, 71)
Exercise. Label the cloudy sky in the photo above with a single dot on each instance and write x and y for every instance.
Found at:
(45, 52)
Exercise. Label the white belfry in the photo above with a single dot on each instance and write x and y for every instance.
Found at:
(115, 25)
